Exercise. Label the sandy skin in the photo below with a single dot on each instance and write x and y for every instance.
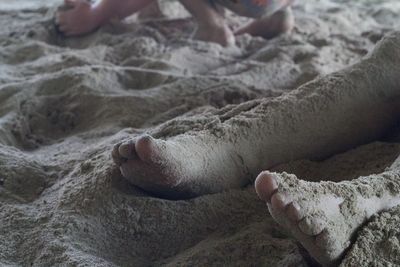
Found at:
(82, 17)
(337, 112)
(236, 144)
(325, 216)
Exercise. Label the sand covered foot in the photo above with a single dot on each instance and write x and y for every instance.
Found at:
(179, 168)
(324, 216)
(229, 147)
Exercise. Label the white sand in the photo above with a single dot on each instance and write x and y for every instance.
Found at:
(64, 103)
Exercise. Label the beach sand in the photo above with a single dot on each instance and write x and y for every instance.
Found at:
(64, 103)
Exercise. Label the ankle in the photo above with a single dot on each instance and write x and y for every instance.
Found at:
(213, 22)
(213, 27)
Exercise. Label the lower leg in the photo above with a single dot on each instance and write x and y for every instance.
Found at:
(82, 17)
(336, 112)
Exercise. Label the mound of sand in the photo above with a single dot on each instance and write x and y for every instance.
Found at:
(65, 102)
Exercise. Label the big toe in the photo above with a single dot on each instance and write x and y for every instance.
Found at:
(266, 186)
(146, 148)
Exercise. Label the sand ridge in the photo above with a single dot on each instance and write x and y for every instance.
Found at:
(64, 103)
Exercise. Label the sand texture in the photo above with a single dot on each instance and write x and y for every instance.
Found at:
(64, 103)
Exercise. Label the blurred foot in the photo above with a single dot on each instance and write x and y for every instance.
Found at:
(270, 27)
(80, 17)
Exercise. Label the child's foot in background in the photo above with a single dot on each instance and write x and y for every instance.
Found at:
(80, 18)
(270, 27)
(220, 34)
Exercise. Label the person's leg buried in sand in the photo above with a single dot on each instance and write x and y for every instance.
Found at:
(272, 16)
(229, 148)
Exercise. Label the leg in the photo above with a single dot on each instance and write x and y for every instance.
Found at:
(336, 112)
(325, 216)
(211, 24)
(83, 17)
(150, 12)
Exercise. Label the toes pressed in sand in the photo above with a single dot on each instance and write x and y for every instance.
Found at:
(267, 189)
(266, 186)
(143, 148)
(325, 216)
(182, 166)
(127, 151)
(306, 223)
(140, 163)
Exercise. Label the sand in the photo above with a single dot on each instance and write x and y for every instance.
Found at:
(65, 103)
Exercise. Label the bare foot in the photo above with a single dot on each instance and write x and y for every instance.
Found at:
(180, 167)
(225, 149)
(220, 34)
(270, 27)
(80, 18)
(324, 216)
(211, 24)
